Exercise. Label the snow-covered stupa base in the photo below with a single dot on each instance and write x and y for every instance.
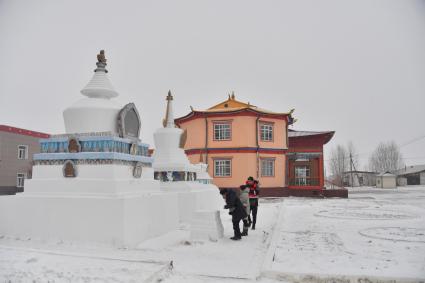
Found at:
(103, 204)
(126, 220)
(105, 180)
(193, 196)
(206, 224)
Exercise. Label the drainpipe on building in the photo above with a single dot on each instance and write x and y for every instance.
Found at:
(285, 183)
(206, 140)
(258, 146)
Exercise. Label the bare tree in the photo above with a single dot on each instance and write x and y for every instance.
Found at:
(386, 157)
(338, 163)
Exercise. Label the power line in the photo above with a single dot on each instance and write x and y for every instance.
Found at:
(412, 141)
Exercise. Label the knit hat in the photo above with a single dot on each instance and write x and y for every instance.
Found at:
(250, 178)
(223, 191)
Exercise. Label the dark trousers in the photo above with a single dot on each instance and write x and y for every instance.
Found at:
(236, 228)
(245, 222)
(254, 214)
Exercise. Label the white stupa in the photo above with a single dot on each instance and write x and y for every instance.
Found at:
(170, 161)
(95, 182)
(199, 203)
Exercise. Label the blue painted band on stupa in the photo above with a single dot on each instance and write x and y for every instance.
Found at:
(92, 156)
(94, 144)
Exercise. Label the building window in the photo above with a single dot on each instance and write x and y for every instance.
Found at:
(266, 132)
(22, 152)
(302, 175)
(222, 167)
(20, 177)
(267, 167)
(222, 131)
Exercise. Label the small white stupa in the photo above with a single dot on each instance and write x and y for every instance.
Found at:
(95, 182)
(199, 203)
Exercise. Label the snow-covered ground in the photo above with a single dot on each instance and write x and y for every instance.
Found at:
(376, 235)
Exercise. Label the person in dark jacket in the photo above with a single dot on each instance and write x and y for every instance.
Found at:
(244, 197)
(254, 191)
(236, 209)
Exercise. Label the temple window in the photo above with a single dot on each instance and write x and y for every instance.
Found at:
(302, 175)
(267, 167)
(22, 152)
(20, 177)
(222, 131)
(222, 167)
(266, 131)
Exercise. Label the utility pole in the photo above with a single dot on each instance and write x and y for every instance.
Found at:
(351, 170)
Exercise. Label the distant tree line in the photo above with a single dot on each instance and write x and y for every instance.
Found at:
(385, 158)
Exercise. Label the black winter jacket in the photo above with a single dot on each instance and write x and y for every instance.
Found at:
(234, 204)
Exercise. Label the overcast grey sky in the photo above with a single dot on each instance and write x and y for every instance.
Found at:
(355, 67)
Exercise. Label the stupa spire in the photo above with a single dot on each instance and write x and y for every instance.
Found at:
(169, 115)
(101, 62)
(99, 85)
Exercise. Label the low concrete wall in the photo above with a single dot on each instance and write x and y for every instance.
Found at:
(338, 193)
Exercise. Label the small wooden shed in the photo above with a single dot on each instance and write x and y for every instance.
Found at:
(386, 180)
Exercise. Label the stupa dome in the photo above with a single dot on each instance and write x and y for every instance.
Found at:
(97, 112)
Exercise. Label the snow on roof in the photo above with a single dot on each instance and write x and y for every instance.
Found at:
(293, 133)
(362, 172)
(411, 170)
(386, 174)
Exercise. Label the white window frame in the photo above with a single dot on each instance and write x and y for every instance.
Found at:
(222, 131)
(22, 148)
(222, 167)
(20, 180)
(267, 167)
(266, 131)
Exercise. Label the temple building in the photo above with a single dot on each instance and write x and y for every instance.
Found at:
(238, 140)
(305, 164)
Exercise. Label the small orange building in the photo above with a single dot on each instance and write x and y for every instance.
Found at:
(238, 140)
